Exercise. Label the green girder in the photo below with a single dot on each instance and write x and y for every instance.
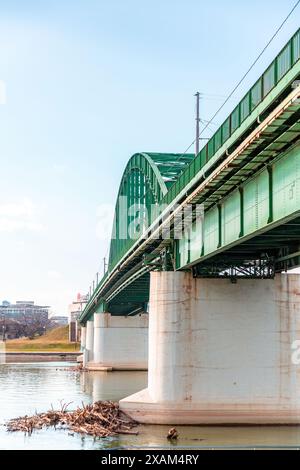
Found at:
(145, 181)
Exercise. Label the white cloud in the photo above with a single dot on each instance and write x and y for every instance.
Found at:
(19, 216)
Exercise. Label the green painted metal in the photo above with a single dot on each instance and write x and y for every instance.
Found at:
(256, 203)
(242, 221)
(132, 297)
(286, 185)
(254, 213)
(231, 224)
(145, 181)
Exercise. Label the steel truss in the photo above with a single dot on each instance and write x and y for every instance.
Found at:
(233, 269)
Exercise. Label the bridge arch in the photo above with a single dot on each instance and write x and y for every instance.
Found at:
(145, 181)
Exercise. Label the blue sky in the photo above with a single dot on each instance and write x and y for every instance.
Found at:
(88, 84)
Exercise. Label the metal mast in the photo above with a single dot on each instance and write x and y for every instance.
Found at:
(197, 95)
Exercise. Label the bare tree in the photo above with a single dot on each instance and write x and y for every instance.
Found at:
(32, 325)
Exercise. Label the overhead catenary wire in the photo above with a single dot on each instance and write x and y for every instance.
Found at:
(253, 64)
(243, 77)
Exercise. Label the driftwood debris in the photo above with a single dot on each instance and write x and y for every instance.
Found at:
(101, 419)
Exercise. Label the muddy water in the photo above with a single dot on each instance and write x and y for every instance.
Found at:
(27, 388)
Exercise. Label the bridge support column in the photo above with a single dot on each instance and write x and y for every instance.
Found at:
(82, 357)
(120, 343)
(89, 347)
(221, 353)
(83, 338)
(97, 338)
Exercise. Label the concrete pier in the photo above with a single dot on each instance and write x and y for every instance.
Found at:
(221, 353)
(83, 338)
(120, 343)
(88, 352)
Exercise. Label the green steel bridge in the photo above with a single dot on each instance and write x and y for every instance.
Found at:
(246, 180)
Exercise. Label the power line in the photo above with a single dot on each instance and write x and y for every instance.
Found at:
(254, 63)
(243, 78)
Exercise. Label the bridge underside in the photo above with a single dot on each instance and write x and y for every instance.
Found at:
(262, 256)
(132, 300)
(274, 250)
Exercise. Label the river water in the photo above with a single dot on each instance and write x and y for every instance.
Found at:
(27, 388)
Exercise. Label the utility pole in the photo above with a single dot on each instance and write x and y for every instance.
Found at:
(104, 265)
(197, 95)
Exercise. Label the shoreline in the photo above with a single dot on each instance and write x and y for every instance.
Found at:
(39, 356)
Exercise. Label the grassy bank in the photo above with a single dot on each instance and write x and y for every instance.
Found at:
(54, 340)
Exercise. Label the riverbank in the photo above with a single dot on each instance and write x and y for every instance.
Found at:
(38, 356)
(56, 340)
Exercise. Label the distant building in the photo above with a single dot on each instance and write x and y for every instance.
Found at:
(60, 320)
(75, 310)
(24, 311)
(76, 307)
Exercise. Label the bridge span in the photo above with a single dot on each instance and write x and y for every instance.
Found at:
(200, 246)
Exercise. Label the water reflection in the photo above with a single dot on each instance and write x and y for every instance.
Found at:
(112, 385)
(28, 388)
